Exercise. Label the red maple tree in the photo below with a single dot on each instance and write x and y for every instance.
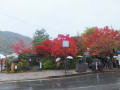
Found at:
(44, 48)
(102, 40)
(54, 47)
(20, 47)
(57, 48)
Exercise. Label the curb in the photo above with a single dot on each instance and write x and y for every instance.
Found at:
(69, 75)
(56, 77)
(46, 78)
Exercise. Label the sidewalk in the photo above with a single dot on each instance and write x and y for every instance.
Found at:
(45, 74)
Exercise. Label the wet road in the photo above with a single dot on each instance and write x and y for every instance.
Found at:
(104, 81)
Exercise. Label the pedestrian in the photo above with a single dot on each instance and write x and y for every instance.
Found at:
(109, 62)
(118, 58)
(115, 62)
(87, 56)
(67, 64)
(96, 64)
(90, 63)
(106, 63)
(58, 59)
(80, 60)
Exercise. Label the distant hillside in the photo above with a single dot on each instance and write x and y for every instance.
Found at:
(9, 38)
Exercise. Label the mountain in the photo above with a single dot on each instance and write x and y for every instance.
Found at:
(9, 38)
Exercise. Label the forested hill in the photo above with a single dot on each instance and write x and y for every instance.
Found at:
(9, 38)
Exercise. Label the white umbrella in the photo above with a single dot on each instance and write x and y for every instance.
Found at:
(13, 55)
(115, 56)
(2, 56)
(69, 57)
(58, 59)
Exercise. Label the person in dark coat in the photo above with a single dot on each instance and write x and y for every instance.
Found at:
(67, 64)
(97, 65)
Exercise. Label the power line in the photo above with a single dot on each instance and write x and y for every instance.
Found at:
(19, 20)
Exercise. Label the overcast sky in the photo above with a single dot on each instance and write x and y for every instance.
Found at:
(58, 16)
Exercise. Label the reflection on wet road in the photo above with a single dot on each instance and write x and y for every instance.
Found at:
(104, 81)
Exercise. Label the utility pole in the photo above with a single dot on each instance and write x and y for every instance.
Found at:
(65, 44)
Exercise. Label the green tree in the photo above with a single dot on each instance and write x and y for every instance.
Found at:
(39, 36)
(80, 40)
(89, 31)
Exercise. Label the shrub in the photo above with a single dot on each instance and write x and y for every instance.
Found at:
(73, 64)
(7, 67)
(25, 64)
(62, 64)
(48, 64)
(20, 67)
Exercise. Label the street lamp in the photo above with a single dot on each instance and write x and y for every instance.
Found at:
(65, 44)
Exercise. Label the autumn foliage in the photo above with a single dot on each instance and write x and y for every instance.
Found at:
(57, 48)
(54, 47)
(51, 47)
(44, 48)
(20, 47)
(102, 41)
(99, 41)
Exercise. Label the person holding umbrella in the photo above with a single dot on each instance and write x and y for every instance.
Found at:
(68, 62)
(58, 59)
(80, 59)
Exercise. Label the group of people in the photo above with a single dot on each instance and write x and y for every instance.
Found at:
(66, 62)
(105, 62)
(95, 63)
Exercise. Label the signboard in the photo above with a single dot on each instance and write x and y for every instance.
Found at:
(40, 65)
(65, 43)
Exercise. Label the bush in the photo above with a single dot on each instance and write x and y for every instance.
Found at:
(23, 55)
(25, 64)
(20, 67)
(48, 64)
(34, 62)
(7, 67)
(62, 64)
(73, 64)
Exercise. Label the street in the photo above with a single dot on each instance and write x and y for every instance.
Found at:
(97, 81)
